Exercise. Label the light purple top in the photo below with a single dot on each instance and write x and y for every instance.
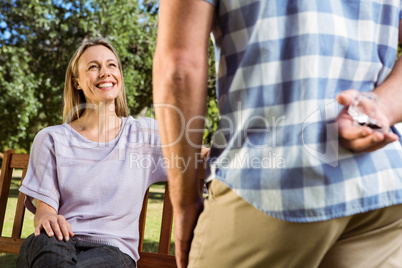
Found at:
(97, 187)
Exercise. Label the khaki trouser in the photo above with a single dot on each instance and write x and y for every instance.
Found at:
(232, 233)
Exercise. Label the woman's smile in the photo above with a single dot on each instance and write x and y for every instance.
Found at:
(106, 85)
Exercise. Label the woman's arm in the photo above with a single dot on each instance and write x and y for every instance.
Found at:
(46, 218)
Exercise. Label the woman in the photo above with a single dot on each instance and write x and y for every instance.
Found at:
(87, 177)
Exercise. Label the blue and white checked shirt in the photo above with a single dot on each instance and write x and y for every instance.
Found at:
(281, 64)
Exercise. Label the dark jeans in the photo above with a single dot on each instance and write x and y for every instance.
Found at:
(43, 251)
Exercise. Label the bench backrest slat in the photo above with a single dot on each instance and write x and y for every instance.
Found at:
(143, 217)
(12, 161)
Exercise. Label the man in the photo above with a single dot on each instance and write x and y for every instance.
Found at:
(282, 192)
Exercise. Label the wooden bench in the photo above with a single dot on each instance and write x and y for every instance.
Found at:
(12, 244)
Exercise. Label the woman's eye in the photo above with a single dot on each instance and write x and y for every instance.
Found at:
(92, 67)
(112, 65)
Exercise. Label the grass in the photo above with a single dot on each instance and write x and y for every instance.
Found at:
(152, 227)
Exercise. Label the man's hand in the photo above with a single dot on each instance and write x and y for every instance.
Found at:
(185, 222)
(46, 218)
(361, 138)
(205, 151)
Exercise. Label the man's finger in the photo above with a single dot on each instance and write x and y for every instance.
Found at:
(367, 144)
(352, 133)
(345, 97)
(391, 137)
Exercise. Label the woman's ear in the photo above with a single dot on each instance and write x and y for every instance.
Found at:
(76, 83)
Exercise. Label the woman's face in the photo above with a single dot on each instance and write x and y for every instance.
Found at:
(99, 75)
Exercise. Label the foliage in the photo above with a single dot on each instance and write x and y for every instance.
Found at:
(37, 39)
(42, 35)
(18, 102)
(212, 116)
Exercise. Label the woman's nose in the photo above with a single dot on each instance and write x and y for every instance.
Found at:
(104, 73)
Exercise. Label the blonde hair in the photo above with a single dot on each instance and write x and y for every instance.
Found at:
(74, 100)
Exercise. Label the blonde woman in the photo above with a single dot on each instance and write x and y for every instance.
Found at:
(87, 177)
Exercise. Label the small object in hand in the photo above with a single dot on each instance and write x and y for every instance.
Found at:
(371, 124)
(363, 110)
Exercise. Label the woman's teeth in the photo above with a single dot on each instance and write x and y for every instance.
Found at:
(105, 85)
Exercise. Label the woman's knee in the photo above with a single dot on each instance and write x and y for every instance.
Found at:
(41, 241)
(44, 250)
(32, 247)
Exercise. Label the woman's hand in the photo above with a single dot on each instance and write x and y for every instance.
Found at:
(361, 138)
(46, 218)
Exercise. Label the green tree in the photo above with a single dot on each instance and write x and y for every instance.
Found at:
(42, 37)
(17, 101)
(212, 116)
